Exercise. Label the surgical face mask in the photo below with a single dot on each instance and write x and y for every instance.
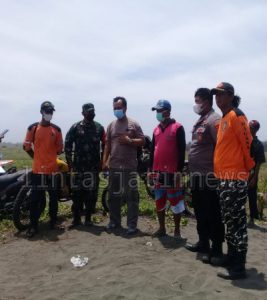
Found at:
(47, 117)
(198, 108)
(160, 117)
(119, 113)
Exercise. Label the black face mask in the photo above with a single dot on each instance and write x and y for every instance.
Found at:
(89, 116)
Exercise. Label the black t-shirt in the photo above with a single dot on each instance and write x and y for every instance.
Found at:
(257, 151)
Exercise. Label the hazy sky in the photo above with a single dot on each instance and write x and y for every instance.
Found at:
(73, 52)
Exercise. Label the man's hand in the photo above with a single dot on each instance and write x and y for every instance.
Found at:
(30, 153)
(149, 174)
(125, 140)
(105, 167)
(152, 177)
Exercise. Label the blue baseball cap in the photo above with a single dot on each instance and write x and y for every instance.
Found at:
(162, 104)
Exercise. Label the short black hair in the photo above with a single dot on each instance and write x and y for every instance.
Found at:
(205, 94)
(122, 99)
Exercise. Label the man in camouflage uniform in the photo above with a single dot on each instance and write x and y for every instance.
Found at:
(232, 165)
(83, 154)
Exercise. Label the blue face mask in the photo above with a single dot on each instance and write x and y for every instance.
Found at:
(119, 113)
(160, 117)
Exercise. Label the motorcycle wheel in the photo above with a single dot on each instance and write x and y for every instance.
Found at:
(21, 210)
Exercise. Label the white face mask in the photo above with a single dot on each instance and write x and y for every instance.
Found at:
(47, 117)
(198, 108)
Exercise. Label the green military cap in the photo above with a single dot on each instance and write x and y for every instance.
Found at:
(88, 107)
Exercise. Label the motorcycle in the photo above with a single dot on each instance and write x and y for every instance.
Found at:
(4, 163)
(3, 169)
(21, 208)
(11, 182)
(9, 187)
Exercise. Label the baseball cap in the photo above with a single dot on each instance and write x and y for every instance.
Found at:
(162, 104)
(47, 105)
(88, 107)
(223, 87)
(254, 124)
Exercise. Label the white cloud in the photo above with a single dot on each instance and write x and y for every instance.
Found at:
(73, 52)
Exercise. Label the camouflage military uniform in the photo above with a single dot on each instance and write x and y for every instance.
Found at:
(233, 197)
(86, 139)
(83, 153)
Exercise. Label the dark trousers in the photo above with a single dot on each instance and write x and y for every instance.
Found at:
(206, 205)
(95, 194)
(253, 208)
(85, 189)
(40, 184)
(123, 188)
(233, 197)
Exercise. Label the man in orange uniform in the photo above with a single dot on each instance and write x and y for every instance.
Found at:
(47, 141)
(232, 165)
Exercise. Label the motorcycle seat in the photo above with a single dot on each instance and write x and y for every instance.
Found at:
(7, 179)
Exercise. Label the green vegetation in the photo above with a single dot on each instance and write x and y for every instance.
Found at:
(22, 160)
(263, 177)
(6, 228)
(147, 206)
(20, 157)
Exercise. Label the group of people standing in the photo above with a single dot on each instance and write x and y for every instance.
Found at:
(224, 162)
(220, 163)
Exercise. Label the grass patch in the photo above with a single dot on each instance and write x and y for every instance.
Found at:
(262, 184)
(20, 157)
(6, 229)
(146, 205)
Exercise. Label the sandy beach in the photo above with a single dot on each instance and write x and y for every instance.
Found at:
(121, 267)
